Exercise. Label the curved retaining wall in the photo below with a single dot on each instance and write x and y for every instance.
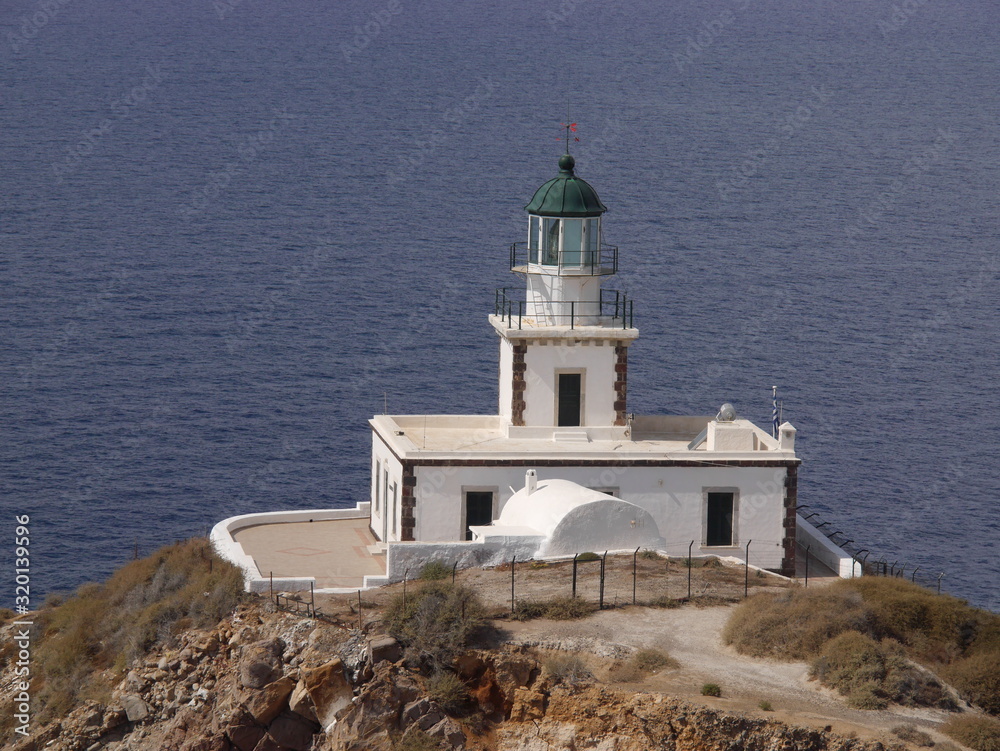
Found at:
(226, 546)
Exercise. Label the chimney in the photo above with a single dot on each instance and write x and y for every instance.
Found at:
(530, 481)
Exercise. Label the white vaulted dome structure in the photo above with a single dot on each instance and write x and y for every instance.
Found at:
(574, 519)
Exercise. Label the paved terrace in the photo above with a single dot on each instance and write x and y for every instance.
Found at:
(338, 553)
(335, 552)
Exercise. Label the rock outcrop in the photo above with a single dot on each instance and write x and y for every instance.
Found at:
(265, 681)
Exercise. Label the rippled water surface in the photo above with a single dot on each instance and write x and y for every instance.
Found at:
(232, 231)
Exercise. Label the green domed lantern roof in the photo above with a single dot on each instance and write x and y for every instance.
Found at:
(566, 195)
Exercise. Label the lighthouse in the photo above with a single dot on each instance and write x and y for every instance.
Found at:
(563, 466)
(715, 481)
(564, 335)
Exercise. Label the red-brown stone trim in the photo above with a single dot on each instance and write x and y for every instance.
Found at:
(408, 503)
(517, 386)
(621, 382)
(791, 503)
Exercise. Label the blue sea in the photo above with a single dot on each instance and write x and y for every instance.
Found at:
(233, 230)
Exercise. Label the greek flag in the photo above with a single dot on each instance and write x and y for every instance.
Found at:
(774, 411)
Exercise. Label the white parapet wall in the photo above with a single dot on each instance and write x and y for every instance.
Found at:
(227, 547)
(823, 549)
(405, 559)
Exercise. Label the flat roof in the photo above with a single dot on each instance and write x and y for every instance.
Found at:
(485, 436)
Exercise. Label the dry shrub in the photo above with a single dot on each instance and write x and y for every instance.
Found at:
(641, 663)
(665, 602)
(558, 608)
(871, 675)
(435, 571)
(107, 626)
(934, 627)
(977, 679)
(436, 621)
(651, 660)
(568, 669)
(794, 624)
(415, 739)
(976, 732)
(912, 735)
(711, 689)
(448, 691)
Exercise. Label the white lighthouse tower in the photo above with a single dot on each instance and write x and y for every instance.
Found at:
(564, 337)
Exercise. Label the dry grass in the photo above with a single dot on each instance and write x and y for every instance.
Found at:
(641, 664)
(558, 608)
(795, 624)
(872, 675)
(979, 733)
(960, 642)
(92, 636)
(568, 669)
(977, 679)
(913, 736)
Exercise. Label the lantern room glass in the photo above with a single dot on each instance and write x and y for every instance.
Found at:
(571, 243)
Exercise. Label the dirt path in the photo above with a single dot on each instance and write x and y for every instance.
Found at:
(692, 636)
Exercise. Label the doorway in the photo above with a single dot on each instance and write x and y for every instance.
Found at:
(478, 510)
(570, 386)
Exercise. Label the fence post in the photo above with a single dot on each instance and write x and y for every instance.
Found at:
(454, 568)
(913, 578)
(312, 598)
(634, 556)
(940, 577)
(604, 561)
(689, 568)
(574, 576)
(406, 573)
(271, 585)
(360, 619)
(746, 576)
(808, 548)
(513, 561)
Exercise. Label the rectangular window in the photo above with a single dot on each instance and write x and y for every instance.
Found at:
(572, 242)
(719, 519)
(395, 508)
(550, 242)
(533, 243)
(592, 242)
(375, 475)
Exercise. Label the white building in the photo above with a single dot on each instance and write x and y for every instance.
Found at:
(717, 482)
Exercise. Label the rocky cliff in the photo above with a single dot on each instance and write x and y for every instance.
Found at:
(267, 681)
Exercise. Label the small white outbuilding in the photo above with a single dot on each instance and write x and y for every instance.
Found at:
(570, 519)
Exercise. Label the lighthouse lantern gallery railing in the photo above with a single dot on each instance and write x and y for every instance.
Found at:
(613, 310)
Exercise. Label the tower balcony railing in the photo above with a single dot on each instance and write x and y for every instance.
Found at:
(601, 261)
(614, 310)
